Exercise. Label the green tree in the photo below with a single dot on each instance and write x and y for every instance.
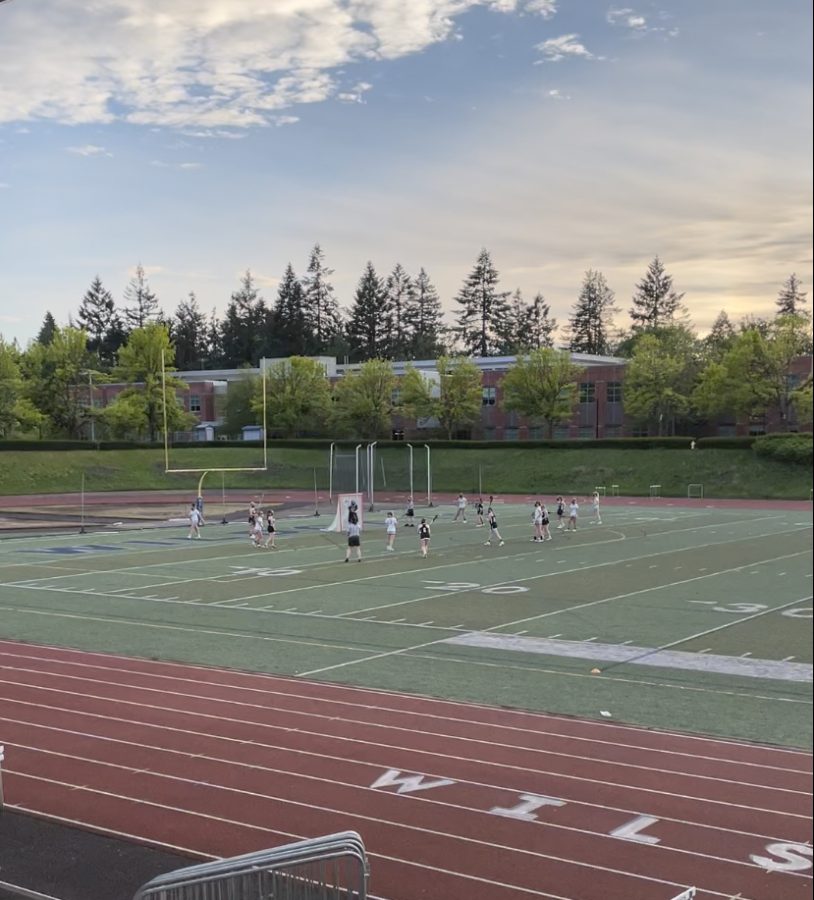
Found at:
(753, 375)
(97, 316)
(142, 303)
(655, 303)
(370, 324)
(720, 337)
(401, 295)
(425, 320)
(802, 399)
(592, 319)
(11, 388)
(46, 332)
(791, 300)
(243, 329)
(483, 308)
(543, 386)
(655, 387)
(54, 381)
(189, 334)
(455, 400)
(239, 408)
(140, 407)
(363, 400)
(290, 325)
(321, 308)
(298, 396)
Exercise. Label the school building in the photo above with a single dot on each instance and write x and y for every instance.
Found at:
(599, 413)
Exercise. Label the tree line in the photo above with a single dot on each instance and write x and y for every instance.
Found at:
(673, 379)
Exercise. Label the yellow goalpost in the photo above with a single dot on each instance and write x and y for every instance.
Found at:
(205, 471)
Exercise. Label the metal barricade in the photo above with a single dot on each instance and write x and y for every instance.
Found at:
(334, 867)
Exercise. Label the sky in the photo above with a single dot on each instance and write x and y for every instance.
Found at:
(202, 138)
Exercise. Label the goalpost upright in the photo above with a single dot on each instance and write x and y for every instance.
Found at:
(205, 471)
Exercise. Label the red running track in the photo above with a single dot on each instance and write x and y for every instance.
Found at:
(454, 801)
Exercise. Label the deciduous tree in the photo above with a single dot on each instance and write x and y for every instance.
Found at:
(542, 386)
(298, 396)
(455, 399)
(364, 399)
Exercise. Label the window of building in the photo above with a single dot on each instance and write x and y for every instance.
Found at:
(614, 394)
(511, 433)
(586, 432)
(489, 433)
(395, 397)
(536, 433)
(640, 431)
(587, 392)
(757, 428)
(726, 429)
(194, 403)
(613, 431)
(489, 396)
(562, 433)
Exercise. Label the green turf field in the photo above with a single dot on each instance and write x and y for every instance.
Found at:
(698, 618)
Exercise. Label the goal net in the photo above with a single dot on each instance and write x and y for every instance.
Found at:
(343, 506)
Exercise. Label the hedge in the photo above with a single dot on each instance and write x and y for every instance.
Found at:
(790, 448)
(624, 443)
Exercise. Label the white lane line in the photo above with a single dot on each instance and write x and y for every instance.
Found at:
(406, 862)
(320, 757)
(292, 685)
(399, 729)
(377, 820)
(568, 610)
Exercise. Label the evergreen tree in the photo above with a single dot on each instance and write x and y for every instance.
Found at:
(322, 310)
(142, 303)
(791, 299)
(289, 321)
(655, 303)
(189, 335)
(720, 337)
(592, 319)
(509, 329)
(213, 341)
(47, 331)
(483, 308)
(370, 326)
(401, 299)
(242, 330)
(424, 319)
(98, 318)
(538, 326)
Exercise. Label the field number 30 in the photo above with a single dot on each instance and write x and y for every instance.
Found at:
(802, 612)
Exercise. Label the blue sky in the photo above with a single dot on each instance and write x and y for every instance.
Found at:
(204, 137)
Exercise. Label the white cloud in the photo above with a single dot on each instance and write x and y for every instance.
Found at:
(564, 47)
(544, 8)
(355, 94)
(190, 165)
(160, 164)
(89, 150)
(556, 94)
(636, 23)
(207, 65)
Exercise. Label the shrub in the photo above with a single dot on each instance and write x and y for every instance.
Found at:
(791, 448)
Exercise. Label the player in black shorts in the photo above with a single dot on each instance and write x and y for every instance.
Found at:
(479, 512)
(560, 513)
(424, 537)
(410, 514)
(491, 518)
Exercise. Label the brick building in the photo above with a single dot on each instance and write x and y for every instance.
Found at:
(599, 412)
